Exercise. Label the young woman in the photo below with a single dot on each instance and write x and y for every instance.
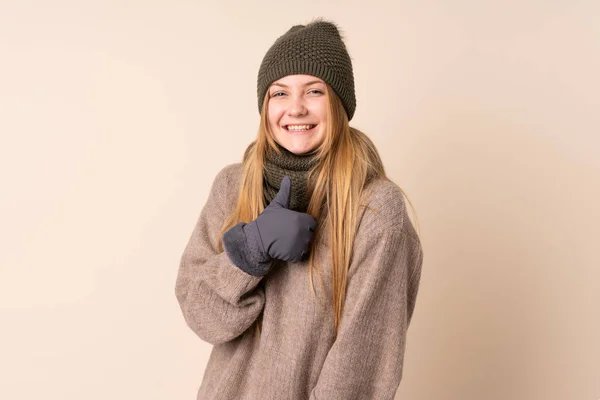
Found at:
(309, 203)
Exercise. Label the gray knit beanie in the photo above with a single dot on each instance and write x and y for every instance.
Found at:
(314, 49)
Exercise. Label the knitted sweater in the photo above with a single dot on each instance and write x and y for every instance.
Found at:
(296, 356)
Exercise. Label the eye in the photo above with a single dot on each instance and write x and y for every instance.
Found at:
(276, 94)
(317, 91)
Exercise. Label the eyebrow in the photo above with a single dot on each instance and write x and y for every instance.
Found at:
(306, 84)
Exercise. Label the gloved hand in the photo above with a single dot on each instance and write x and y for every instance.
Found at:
(277, 233)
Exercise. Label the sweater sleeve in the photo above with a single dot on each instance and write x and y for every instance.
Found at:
(219, 301)
(366, 359)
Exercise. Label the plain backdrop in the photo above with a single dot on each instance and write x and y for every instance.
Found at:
(115, 118)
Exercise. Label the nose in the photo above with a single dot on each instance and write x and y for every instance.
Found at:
(297, 107)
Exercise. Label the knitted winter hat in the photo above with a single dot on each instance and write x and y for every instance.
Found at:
(314, 49)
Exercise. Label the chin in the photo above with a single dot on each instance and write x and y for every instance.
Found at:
(299, 148)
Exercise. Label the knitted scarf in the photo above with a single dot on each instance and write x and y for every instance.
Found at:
(296, 167)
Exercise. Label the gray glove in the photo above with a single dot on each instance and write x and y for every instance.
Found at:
(277, 233)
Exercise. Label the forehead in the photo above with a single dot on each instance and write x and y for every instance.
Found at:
(297, 80)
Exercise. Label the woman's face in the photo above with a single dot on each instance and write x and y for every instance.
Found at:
(297, 102)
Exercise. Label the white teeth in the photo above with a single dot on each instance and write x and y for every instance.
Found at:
(299, 127)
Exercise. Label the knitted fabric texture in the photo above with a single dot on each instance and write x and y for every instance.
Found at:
(296, 167)
(316, 49)
(297, 355)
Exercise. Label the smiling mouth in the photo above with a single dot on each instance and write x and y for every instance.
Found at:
(299, 128)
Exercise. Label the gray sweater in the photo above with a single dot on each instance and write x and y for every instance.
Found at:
(296, 356)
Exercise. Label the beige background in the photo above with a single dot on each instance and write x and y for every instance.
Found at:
(115, 118)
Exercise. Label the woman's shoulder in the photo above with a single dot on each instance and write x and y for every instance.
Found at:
(230, 174)
(385, 207)
(227, 182)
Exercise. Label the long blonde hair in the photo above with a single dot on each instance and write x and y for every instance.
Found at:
(347, 161)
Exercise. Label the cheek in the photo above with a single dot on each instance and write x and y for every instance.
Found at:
(322, 114)
(274, 113)
(274, 120)
(320, 110)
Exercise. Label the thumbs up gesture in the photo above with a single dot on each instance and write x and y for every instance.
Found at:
(284, 234)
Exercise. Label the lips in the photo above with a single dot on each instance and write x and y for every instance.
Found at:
(299, 128)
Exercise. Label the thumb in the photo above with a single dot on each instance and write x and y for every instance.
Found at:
(285, 191)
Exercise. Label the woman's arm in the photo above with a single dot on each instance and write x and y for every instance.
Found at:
(366, 359)
(219, 301)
